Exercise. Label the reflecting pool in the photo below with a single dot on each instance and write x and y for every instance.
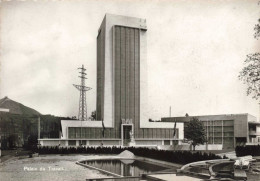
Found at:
(126, 167)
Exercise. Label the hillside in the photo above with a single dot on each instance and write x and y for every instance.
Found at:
(20, 125)
(16, 107)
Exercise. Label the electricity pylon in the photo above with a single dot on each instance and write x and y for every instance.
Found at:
(82, 99)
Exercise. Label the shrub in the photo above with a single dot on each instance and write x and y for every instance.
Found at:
(181, 157)
(253, 150)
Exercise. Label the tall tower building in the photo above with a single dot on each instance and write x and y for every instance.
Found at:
(121, 92)
(121, 70)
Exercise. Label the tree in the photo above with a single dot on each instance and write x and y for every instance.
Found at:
(32, 141)
(93, 115)
(257, 30)
(195, 132)
(250, 74)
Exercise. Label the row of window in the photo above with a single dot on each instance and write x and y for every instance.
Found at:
(77, 132)
(218, 123)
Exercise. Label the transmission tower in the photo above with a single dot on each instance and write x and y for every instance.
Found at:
(82, 99)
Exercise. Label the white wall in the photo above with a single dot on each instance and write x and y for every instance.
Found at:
(210, 147)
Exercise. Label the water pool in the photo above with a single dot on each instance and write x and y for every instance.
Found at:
(125, 167)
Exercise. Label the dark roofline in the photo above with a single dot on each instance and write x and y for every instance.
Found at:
(134, 27)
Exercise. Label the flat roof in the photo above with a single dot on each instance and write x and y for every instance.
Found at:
(186, 118)
(121, 20)
(240, 114)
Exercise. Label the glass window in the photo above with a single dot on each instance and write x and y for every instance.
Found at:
(72, 142)
(167, 142)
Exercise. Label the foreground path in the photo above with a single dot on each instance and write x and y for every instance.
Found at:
(231, 154)
(172, 177)
(46, 167)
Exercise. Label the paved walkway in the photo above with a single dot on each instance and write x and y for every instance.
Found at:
(171, 177)
(231, 154)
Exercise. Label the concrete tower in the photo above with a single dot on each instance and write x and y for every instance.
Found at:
(121, 70)
(121, 92)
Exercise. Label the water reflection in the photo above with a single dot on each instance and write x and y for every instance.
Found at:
(126, 167)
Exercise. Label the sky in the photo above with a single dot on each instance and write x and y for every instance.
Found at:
(195, 50)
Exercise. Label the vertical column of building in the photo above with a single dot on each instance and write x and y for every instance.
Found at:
(117, 79)
(98, 107)
(103, 73)
(127, 72)
(222, 133)
(123, 74)
(132, 76)
(137, 79)
(100, 74)
(213, 127)
(207, 128)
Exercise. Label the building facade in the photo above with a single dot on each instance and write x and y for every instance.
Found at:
(121, 65)
(121, 93)
(226, 131)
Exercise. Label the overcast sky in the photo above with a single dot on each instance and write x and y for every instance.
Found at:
(195, 52)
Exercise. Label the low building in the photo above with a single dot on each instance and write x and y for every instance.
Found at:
(226, 131)
(90, 133)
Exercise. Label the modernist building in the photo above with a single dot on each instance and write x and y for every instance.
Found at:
(121, 93)
(226, 131)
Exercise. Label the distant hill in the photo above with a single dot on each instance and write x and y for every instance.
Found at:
(19, 126)
(16, 107)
